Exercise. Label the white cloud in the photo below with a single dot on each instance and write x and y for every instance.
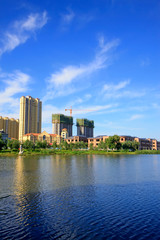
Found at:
(156, 106)
(59, 80)
(124, 94)
(80, 100)
(14, 83)
(145, 62)
(112, 87)
(48, 110)
(21, 31)
(136, 116)
(115, 91)
(68, 17)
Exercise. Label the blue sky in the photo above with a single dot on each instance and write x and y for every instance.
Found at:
(102, 57)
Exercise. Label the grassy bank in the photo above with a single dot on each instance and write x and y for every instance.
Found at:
(72, 152)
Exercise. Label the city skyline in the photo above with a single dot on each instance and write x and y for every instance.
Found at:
(104, 57)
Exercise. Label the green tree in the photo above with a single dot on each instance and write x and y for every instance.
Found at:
(13, 144)
(135, 145)
(91, 146)
(71, 146)
(76, 145)
(64, 145)
(28, 145)
(130, 145)
(38, 144)
(54, 145)
(2, 144)
(113, 142)
(101, 145)
(44, 144)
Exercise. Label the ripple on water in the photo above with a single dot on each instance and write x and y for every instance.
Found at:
(91, 211)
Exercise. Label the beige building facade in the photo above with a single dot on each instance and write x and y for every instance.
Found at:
(64, 133)
(144, 143)
(30, 118)
(76, 139)
(10, 126)
(44, 136)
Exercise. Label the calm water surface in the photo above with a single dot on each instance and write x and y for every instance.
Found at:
(80, 197)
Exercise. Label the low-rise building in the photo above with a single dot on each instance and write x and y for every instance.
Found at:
(95, 141)
(76, 139)
(155, 145)
(50, 138)
(126, 138)
(64, 133)
(144, 143)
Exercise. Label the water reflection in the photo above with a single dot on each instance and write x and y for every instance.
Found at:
(26, 189)
(47, 173)
(80, 197)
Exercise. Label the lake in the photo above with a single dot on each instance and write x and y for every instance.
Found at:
(80, 197)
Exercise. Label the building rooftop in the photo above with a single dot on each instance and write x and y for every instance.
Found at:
(34, 134)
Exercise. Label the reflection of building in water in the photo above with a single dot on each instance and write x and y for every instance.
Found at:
(27, 189)
(61, 175)
(25, 180)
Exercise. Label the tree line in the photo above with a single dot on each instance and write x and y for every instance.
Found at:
(111, 143)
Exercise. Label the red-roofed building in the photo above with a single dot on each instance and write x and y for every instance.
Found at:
(50, 138)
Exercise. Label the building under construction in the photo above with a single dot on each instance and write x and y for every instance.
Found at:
(85, 127)
(60, 121)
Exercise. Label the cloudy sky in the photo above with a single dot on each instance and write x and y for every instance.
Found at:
(102, 57)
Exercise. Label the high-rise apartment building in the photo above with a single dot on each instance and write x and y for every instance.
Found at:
(30, 118)
(60, 121)
(85, 127)
(10, 126)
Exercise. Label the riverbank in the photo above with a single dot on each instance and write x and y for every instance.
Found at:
(73, 152)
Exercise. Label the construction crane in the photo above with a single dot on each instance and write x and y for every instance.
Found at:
(70, 109)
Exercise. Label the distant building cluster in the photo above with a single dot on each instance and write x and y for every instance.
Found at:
(144, 143)
(10, 126)
(28, 127)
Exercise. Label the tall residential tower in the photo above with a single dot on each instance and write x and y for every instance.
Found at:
(10, 126)
(30, 118)
(85, 127)
(60, 121)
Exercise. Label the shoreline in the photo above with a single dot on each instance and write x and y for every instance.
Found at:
(76, 152)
